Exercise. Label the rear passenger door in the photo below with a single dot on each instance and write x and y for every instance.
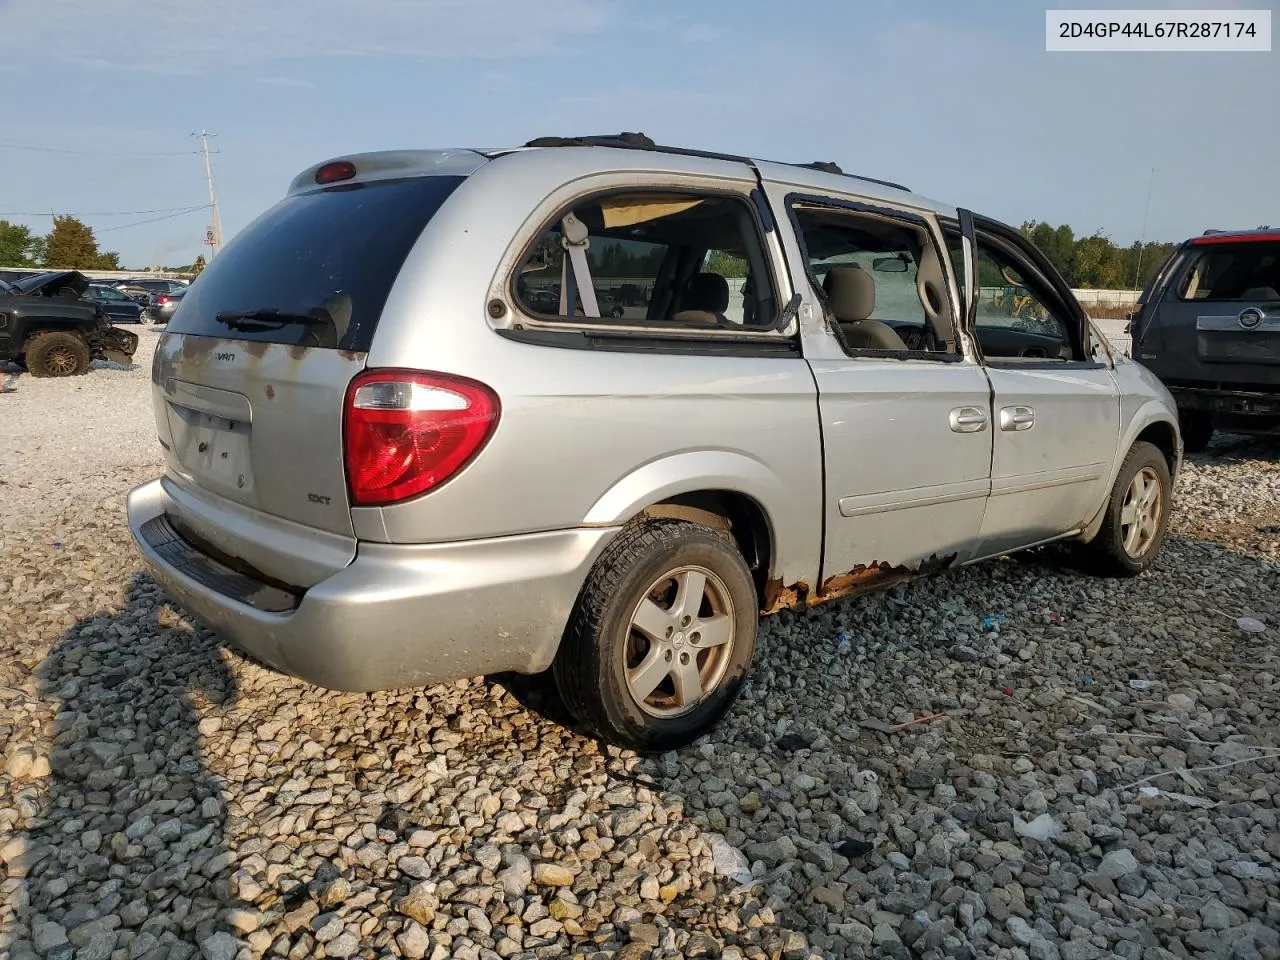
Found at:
(1056, 415)
(903, 403)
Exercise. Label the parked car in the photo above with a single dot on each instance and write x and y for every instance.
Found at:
(46, 326)
(146, 289)
(1208, 325)
(118, 307)
(384, 468)
(13, 276)
(162, 306)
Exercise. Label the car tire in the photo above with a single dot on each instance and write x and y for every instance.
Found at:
(1196, 427)
(1137, 516)
(57, 354)
(635, 628)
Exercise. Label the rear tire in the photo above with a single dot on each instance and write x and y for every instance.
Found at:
(662, 636)
(1196, 427)
(57, 354)
(1137, 516)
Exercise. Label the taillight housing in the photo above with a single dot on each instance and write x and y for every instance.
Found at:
(336, 172)
(406, 432)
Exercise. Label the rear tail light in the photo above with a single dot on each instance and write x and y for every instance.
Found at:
(408, 432)
(162, 299)
(336, 172)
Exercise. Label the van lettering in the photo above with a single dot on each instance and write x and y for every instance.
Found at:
(316, 498)
(224, 356)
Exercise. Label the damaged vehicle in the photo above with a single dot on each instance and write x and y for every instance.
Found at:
(1208, 326)
(47, 328)
(394, 459)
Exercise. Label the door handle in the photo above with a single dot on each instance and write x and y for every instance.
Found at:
(968, 420)
(1017, 418)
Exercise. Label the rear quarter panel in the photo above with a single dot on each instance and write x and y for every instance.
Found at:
(587, 437)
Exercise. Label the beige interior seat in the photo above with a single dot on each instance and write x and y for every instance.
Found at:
(851, 297)
(706, 298)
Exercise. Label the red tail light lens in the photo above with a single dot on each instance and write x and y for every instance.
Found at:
(163, 298)
(408, 432)
(336, 172)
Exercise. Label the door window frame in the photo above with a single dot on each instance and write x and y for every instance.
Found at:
(915, 219)
(605, 333)
(1035, 266)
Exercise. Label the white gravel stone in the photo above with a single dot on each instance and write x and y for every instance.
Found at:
(170, 795)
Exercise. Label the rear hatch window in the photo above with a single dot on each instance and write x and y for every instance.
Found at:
(314, 270)
(1235, 272)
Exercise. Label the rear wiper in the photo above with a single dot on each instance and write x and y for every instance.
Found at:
(235, 319)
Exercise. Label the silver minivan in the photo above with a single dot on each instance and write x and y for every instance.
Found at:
(595, 405)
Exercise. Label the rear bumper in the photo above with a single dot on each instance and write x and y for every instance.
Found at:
(398, 616)
(1242, 406)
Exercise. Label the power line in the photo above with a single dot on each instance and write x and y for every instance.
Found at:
(103, 213)
(138, 223)
(96, 153)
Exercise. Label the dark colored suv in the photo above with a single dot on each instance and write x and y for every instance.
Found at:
(1208, 326)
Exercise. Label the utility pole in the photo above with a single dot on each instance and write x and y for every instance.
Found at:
(1137, 273)
(214, 239)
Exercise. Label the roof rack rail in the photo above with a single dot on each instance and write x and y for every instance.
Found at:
(1208, 232)
(639, 141)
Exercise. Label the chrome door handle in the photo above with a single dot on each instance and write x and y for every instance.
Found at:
(1017, 418)
(968, 420)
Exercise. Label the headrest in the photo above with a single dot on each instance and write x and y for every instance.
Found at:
(851, 293)
(706, 291)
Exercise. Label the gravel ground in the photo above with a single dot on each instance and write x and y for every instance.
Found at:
(165, 798)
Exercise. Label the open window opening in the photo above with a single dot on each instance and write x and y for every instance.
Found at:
(1019, 317)
(652, 259)
(882, 281)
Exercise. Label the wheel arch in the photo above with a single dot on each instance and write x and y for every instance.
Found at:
(727, 491)
(1155, 424)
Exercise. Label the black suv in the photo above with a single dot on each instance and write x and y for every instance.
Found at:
(47, 327)
(1208, 325)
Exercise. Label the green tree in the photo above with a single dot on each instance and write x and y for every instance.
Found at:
(18, 246)
(726, 264)
(1058, 244)
(1098, 264)
(1141, 261)
(72, 245)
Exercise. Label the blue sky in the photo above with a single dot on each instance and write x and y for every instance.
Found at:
(956, 98)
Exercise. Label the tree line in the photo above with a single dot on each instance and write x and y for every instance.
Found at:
(1090, 262)
(1094, 262)
(70, 244)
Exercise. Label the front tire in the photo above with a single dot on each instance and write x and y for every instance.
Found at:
(1137, 516)
(662, 636)
(57, 354)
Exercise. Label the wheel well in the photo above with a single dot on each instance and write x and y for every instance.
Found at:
(1162, 436)
(736, 514)
(55, 326)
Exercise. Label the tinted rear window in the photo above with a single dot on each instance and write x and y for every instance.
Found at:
(331, 255)
(1234, 271)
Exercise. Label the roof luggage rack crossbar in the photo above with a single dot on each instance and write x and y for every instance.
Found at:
(638, 141)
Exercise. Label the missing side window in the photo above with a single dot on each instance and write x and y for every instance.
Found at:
(651, 258)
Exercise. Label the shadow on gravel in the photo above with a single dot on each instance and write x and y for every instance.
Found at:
(129, 834)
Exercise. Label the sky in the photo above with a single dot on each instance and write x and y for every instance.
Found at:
(955, 98)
